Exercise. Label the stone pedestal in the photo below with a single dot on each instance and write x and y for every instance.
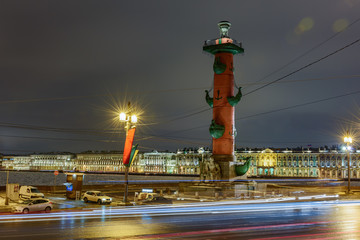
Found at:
(226, 163)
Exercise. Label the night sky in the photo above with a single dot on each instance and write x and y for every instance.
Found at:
(67, 67)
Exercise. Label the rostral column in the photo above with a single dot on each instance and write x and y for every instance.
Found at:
(222, 128)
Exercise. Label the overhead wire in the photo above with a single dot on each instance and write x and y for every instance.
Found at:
(300, 105)
(294, 60)
(307, 79)
(280, 109)
(162, 137)
(306, 66)
(58, 139)
(112, 131)
(62, 130)
(207, 108)
(77, 131)
(265, 85)
(299, 57)
(285, 76)
(88, 96)
(309, 51)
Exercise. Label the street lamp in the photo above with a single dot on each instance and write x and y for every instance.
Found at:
(7, 190)
(348, 140)
(202, 170)
(130, 120)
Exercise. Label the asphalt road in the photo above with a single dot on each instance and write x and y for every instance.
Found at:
(219, 220)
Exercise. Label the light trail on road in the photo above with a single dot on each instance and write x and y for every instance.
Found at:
(171, 210)
(192, 233)
(225, 220)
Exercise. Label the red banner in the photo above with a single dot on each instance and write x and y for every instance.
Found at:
(128, 145)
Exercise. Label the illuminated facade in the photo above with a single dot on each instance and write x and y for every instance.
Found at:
(264, 163)
(52, 162)
(16, 162)
(188, 163)
(156, 162)
(319, 164)
(102, 162)
(268, 163)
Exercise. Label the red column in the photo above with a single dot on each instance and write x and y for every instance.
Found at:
(223, 112)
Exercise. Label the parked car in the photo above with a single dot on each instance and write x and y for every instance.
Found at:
(29, 192)
(96, 196)
(145, 196)
(34, 205)
(157, 200)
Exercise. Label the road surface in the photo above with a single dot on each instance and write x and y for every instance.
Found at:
(218, 220)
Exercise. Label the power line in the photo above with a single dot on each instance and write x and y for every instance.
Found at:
(110, 131)
(289, 81)
(307, 80)
(183, 130)
(51, 99)
(89, 96)
(306, 66)
(287, 75)
(58, 139)
(291, 73)
(62, 130)
(310, 50)
(300, 105)
(278, 110)
(192, 114)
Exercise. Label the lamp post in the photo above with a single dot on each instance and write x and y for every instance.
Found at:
(348, 140)
(130, 121)
(202, 170)
(7, 190)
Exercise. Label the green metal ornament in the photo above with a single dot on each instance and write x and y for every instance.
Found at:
(216, 130)
(209, 99)
(234, 100)
(218, 66)
(241, 170)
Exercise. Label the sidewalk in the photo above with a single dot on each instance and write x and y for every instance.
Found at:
(5, 208)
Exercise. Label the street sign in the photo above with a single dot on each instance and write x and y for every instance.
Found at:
(147, 190)
(56, 172)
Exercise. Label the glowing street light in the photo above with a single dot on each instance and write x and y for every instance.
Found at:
(130, 120)
(348, 140)
(133, 119)
(122, 117)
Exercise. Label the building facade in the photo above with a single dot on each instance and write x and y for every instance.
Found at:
(102, 162)
(64, 162)
(189, 162)
(16, 162)
(314, 164)
(332, 164)
(155, 162)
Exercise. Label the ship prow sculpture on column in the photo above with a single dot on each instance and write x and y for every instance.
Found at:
(223, 102)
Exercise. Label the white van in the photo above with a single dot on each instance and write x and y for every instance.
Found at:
(28, 192)
(145, 196)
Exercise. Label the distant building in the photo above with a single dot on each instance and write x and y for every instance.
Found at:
(63, 162)
(319, 163)
(16, 162)
(155, 162)
(102, 162)
(188, 162)
(267, 163)
(305, 163)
